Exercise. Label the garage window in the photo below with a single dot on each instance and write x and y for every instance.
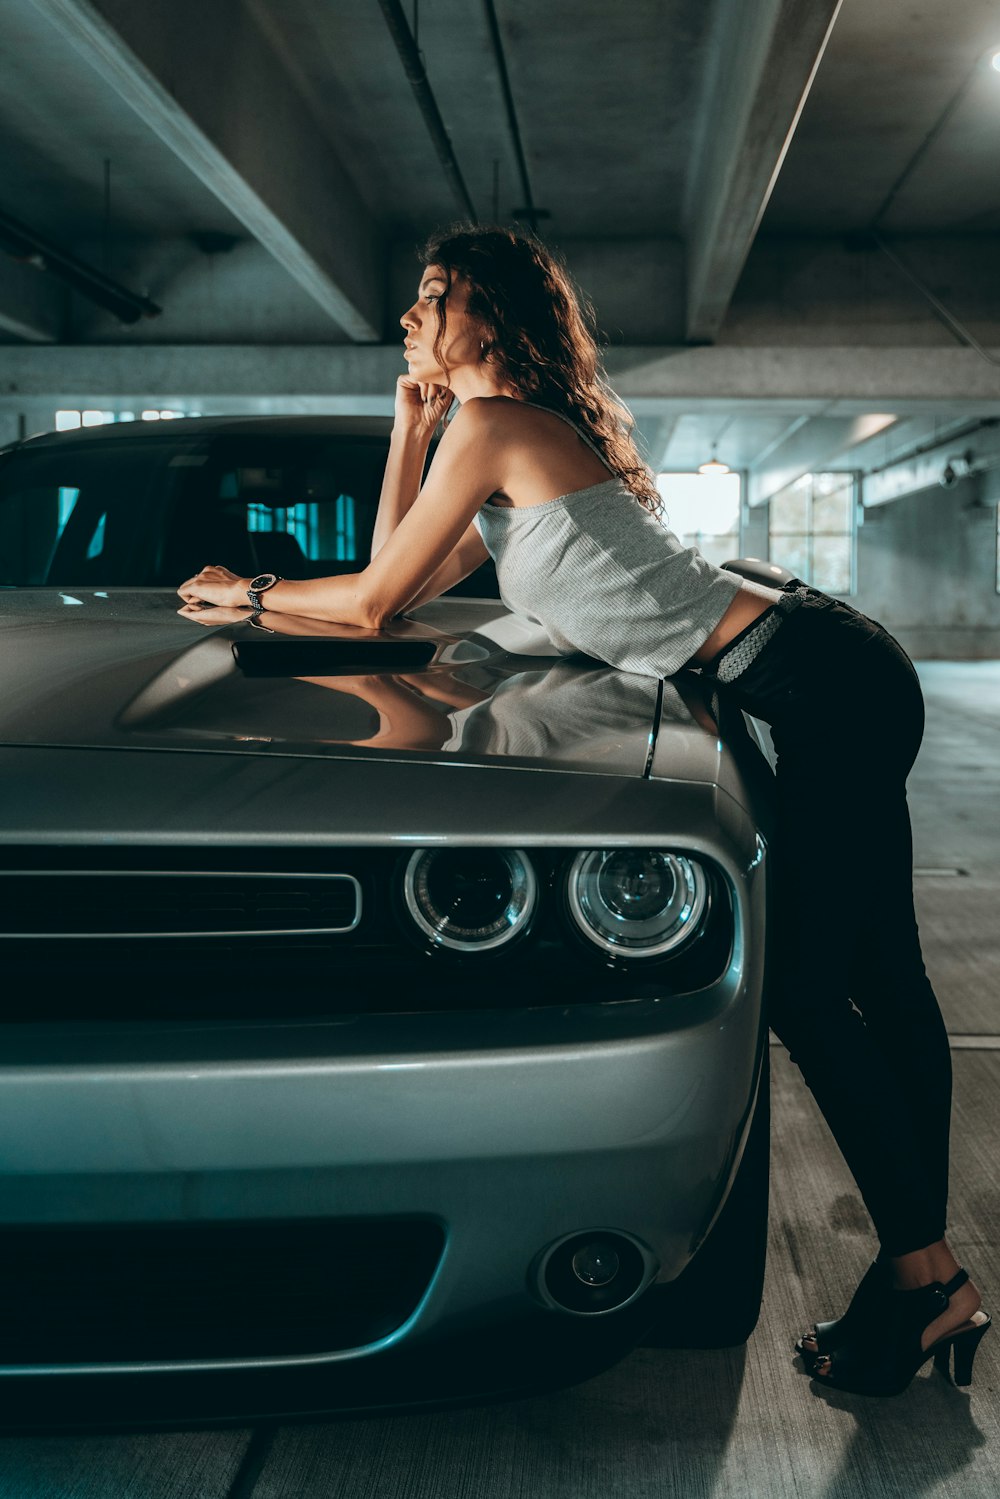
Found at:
(812, 530)
(703, 510)
(68, 419)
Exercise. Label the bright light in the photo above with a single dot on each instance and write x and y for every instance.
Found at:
(701, 504)
(67, 420)
(150, 416)
(995, 60)
(93, 418)
(713, 466)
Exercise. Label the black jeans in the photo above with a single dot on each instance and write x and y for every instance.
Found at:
(851, 999)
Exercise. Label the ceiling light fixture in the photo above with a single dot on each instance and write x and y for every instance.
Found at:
(714, 467)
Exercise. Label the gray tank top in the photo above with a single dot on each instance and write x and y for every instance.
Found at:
(605, 577)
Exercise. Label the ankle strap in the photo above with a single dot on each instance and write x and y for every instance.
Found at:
(957, 1280)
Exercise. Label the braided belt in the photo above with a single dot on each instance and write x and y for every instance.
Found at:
(737, 657)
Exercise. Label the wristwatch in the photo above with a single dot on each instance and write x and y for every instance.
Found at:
(259, 585)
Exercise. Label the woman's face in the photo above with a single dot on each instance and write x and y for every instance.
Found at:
(461, 346)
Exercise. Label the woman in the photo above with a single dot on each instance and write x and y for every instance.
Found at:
(538, 468)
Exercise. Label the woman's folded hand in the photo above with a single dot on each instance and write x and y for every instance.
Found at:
(216, 585)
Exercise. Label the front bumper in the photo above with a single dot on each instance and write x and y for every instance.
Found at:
(510, 1130)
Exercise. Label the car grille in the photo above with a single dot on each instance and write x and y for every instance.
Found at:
(97, 1293)
(100, 903)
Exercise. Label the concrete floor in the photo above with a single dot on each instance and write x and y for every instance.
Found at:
(744, 1423)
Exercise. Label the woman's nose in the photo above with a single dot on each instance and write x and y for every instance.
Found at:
(407, 320)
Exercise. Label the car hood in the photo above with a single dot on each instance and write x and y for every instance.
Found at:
(458, 680)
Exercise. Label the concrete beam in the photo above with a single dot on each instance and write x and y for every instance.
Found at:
(32, 306)
(204, 79)
(660, 382)
(212, 378)
(814, 379)
(823, 442)
(764, 59)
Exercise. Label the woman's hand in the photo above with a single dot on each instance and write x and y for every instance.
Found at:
(419, 406)
(216, 585)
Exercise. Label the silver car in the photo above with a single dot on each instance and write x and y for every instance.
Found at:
(383, 1012)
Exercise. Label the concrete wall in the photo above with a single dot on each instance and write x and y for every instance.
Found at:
(927, 570)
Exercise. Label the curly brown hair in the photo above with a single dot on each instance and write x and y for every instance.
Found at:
(539, 336)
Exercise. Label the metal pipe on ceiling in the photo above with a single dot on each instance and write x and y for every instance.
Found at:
(415, 71)
(530, 212)
(970, 429)
(25, 244)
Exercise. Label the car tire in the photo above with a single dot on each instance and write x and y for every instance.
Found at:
(715, 1302)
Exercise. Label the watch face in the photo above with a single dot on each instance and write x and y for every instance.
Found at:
(263, 580)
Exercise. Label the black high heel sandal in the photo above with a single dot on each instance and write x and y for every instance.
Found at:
(829, 1336)
(886, 1359)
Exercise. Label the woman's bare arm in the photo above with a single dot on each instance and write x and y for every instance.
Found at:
(404, 470)
(467, 556)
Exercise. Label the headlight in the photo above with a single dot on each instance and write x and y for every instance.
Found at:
(638, 903)
(470, 900)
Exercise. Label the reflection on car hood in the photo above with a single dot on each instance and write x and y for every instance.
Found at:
(460, 679)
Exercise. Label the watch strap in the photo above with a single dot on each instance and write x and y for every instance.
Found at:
(253, 594)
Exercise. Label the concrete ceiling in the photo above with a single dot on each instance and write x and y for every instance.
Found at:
(786, 212)
(902, 127)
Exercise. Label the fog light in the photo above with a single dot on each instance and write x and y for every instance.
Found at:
(596, 1264)
(593, 1272)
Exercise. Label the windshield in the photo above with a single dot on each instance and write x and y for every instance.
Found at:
(151, 510)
